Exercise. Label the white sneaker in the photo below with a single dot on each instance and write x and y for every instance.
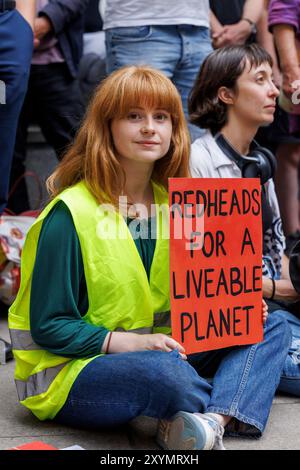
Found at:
(219, 431)
(190, 431)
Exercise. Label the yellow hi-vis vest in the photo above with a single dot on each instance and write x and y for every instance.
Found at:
(119, 293)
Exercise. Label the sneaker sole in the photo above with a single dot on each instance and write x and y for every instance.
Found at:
(184, 433)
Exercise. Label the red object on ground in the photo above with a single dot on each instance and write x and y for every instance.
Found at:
(35, 445)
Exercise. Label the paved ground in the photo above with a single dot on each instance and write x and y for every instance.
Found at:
(18, 426)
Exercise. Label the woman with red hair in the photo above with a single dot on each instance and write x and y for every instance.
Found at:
(91, 325)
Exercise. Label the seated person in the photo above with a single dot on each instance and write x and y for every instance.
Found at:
(91, 323)
(233, 96)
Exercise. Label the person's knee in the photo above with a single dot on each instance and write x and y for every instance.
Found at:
(170, 370)
(178, 382)
(171, 375)
(279, 330)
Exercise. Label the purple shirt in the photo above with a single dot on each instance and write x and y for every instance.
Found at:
(285, 12)
(48, 51)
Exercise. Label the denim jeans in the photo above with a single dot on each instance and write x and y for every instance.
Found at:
(290, 377)
(178, 51)
(114, 389)
(16, 44)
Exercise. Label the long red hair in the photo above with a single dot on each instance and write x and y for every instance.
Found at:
(92, 157)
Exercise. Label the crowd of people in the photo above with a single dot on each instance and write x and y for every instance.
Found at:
(196, 88)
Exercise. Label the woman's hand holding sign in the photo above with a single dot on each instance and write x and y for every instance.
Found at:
(129, 342)
(265, 312)
(162, 342)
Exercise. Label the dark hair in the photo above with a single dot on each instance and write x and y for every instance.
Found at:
(221, 68)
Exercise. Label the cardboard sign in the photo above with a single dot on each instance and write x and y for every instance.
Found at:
(216, 262)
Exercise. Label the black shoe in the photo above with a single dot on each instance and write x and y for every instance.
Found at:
(5, 351)
(291, 241)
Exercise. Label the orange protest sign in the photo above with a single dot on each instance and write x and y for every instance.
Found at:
(215, 262)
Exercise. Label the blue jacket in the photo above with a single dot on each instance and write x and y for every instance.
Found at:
(67, 18)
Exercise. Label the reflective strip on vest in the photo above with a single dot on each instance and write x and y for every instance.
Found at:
(37, 383)
(22, 340)
(139, 331)
(161, 319)
(40, 382)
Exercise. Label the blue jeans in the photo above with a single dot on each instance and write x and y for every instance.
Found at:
(114, 389)
(16, 44)
(290, 377)
(178, 51)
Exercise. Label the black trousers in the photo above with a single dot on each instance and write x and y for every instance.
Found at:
(52, 101)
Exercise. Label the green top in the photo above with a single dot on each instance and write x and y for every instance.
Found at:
(59, 297)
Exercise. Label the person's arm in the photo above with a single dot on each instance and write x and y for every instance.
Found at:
(57, 303)
(119, 342)
(215, 26)
(285, 40)
(284, 290)
(55, 16)
(283, 12)
(58, 297)
(27, 9)
(266, 40)
(253, 10)
(284, 23)
(62, 12)
(216, 29)
(239, 32)
(274, 249)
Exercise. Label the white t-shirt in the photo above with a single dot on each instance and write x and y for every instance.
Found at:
(124, 13)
